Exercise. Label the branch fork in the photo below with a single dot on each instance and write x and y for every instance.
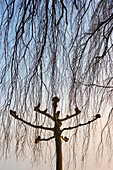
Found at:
(58, 122)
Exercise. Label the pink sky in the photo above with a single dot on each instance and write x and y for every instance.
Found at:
(13, 165)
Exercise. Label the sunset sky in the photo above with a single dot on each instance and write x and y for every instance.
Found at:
(56, 84)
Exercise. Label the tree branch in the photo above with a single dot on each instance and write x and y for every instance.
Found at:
(65, 138)
(92, 34)
(47, 139)
(97, 85)
(68, 117)
(63, 7)
(82, 124)
(75, 4)
(13, 113)
(43, 112)
(38, 139)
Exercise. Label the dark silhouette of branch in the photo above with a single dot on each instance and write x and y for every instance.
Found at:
(38, 139)
(68, 117)
(92, 34)
(63, 7)
(37, 109)
(13, 113)
(83, 124)
(42, 55)
(97, 85)
(65, 138)
(75, 4)
(47, 139)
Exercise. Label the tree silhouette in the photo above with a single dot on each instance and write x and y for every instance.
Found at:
(50, 48)
(56, 129)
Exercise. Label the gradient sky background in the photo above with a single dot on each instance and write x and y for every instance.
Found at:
(12, 164)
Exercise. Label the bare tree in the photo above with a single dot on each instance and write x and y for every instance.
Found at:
(56, 129)
(51, 48)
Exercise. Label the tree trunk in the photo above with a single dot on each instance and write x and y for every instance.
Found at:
(58, 153)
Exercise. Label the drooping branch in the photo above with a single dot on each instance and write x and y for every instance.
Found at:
(82, 124)
(94, 32)
(45, 36)
(63, 7)
(13, 113)
(75, 4)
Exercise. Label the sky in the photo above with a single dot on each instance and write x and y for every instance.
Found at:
(11, 164)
